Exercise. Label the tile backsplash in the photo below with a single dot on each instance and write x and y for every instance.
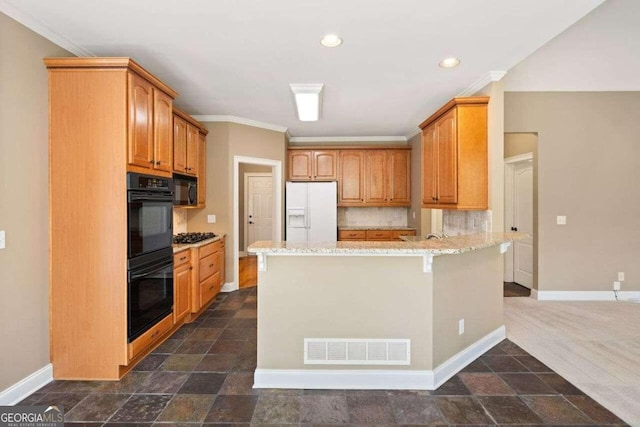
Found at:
(466, 222)
(179, 220)
(350, 217)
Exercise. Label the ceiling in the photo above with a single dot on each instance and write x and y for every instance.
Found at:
(599, 53)
(237, 57)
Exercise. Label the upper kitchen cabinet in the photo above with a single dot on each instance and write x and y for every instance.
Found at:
(454, 156)
(149, 132)
(387, 177)
(186, 143)
(202, 168)
(351, 177)
(313, 165)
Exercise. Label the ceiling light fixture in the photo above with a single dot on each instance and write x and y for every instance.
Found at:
(331, 40)
(450, 62)
(308, 99)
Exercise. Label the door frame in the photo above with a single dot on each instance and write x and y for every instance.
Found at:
(509, 187)
(246, 203)
(278, 188)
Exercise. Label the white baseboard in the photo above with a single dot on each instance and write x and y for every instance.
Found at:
(27, 386)
(584, 295)
(229, 287)
(534, 293)
(374, 379)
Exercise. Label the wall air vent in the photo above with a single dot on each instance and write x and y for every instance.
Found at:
(356, 351)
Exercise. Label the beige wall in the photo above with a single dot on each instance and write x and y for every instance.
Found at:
(588, 163)
(24, 203)
(416, 185)
(516, 144)
(246, 168)
(226, 140)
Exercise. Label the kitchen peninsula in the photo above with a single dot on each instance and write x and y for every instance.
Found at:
(377, 315)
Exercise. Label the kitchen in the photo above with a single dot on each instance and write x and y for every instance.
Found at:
(228, 133)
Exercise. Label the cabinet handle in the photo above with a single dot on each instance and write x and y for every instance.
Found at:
(151, 161)
(155, 334)
(183, 258)
(211, 287)
(158, 162)
(190, 268)
(210, 265)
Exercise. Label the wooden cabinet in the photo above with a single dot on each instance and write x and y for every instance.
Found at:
(388, 178)
(207, 276)
(150, 337)
(313, 165)
(373, 234)
(202, 170)
(351, 178)
(454, 156)
(186, 144)
(181, 285)
(149, 130)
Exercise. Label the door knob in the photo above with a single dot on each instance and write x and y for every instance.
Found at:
(250, 222)
(514, 228)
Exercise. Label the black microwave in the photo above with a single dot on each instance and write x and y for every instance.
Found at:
(185, 192)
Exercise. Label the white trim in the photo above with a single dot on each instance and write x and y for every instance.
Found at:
(491, 76)
(376, 379)
(240, 121)
(583, 295)
(276, 170)
(534, 293)
(38, 27)
(519, 158)
(27, 386)
(414, 133)
(504, 247)
(262, 262)
(229, 287)
(320, 139)
(246, 206)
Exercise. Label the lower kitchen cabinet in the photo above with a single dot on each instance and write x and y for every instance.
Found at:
(181, 285)
(380, 235)
(207, 273)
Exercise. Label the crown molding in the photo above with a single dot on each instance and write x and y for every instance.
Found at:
(320, 139)
(491, 76)
(36, 26)
(414, 133)
(240, 121)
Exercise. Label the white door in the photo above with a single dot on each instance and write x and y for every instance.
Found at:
(259, 209)
(523, 221)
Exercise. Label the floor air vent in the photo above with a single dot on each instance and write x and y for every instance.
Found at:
(346, 351)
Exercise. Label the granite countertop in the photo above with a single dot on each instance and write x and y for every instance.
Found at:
(179, 247)
(374, 227)
(449, 245)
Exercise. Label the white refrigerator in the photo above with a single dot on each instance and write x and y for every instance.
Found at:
(312, 211)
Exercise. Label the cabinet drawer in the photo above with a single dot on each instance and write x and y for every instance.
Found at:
(209, 288)
(379, 234)
(206, 250)
(181, 257)
(208, 265)
(151, 336)
(397, 233)
(352, 235)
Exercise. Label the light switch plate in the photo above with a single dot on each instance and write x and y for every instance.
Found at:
(211, 219)
(561, 220)
(2, 239)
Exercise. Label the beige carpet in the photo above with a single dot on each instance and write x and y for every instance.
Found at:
(594, 345)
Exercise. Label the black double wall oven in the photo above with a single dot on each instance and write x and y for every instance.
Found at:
(150, 256)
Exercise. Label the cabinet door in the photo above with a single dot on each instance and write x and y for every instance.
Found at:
(221, 265)
(351, 178)
(325, 165)
(375, 172)
(202, 170)
(179, 144)
(300, 165)
(399, 177)
(193, 140)
(162, 131)
(429, 165)
(140, 152)
(181, 291)
(447, 159)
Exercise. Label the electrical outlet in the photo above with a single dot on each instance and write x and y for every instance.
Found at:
(616, 286)
(561, 220)
(2, 239)
(211, 219)
(621, 276)
(460, 326)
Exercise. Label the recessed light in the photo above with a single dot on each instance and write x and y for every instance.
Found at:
(331, 40)
(450, 62)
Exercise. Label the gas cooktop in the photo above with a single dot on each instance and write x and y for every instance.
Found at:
(192, 237)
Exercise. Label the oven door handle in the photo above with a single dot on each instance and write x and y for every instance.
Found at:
(145, 272)
(137, 197)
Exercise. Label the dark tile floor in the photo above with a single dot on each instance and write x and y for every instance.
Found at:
(204, 373)
(512, 289)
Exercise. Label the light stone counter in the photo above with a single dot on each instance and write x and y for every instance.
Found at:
(179, 247)
(446, 246)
